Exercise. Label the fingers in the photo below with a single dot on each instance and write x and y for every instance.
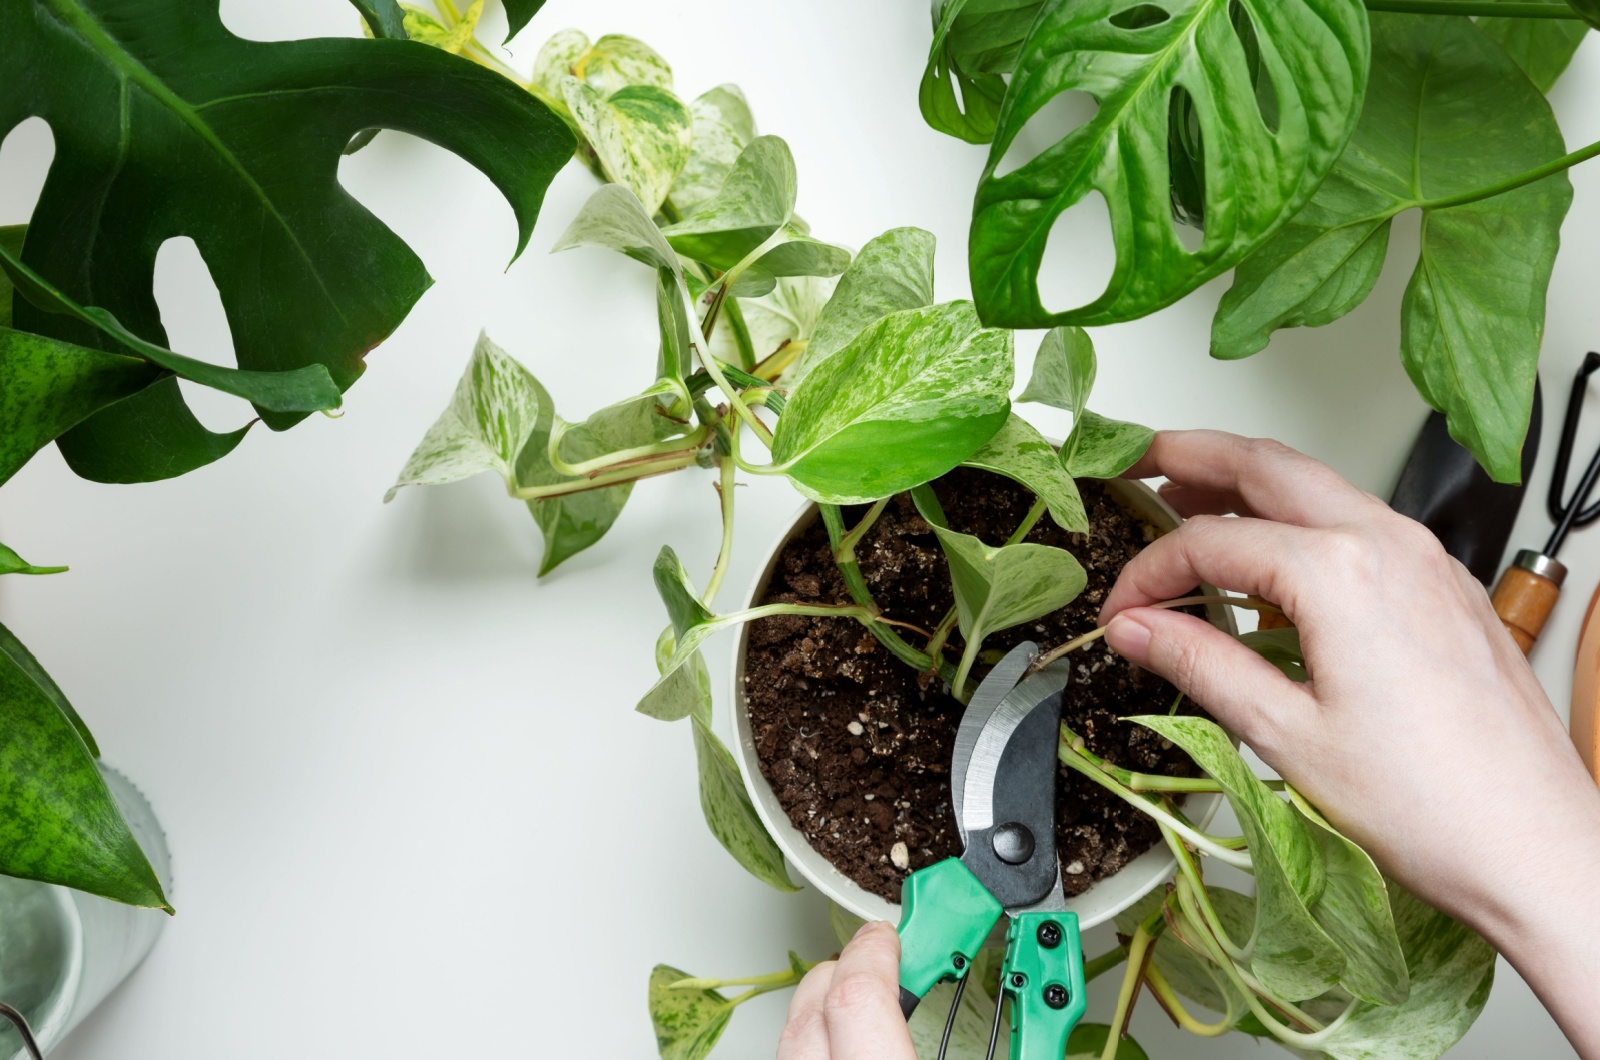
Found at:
(849, 1009)
(805, 1036)
(1244, 692)
(1269, 479)
(1241, 555)
(1189, 502)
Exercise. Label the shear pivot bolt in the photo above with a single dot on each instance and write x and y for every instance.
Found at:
(1055, 995)
(1013, 843)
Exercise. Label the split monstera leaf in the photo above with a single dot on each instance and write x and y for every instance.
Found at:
(1290, 134)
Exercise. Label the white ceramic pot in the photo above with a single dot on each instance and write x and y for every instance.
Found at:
(1098, 904)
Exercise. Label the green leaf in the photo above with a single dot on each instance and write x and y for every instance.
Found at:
(789, 313)
(1292, 956)
(684, 692)
(947, 86)
(1021, 454)
(1543, 47)
(1281, 648)
(496, 408)
(1447, 113)
(639, 134)
(11, 563)
(16, 654)
(1589, 9)
(687, 1022)
(677, 592)
(11, 239)
(615, 218)
(519, 13)
(1452, 970)
(1354, 912)
(729, 813)
(1101, 447)
(1190, 974)
(1088, 1042)
(47, 387)
(997, 588)
(755, 200)
(722, 127)
(382, 18)
(893, 272)
(307, 389)
(235, 143)
(1063, 371)
(909, 398)
(1317, 56)
(58, 821)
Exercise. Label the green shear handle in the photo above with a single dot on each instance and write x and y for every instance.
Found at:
(1043, 978)
(947, 914)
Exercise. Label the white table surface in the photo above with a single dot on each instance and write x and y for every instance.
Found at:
(411, 809)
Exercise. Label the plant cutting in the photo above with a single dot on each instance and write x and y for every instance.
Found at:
(892, 414)
(233, 143)
(1281, 140)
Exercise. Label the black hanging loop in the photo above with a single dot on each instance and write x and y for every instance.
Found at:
(999, 1006)
(950, 1020)
(1569, 515)
(20, 1022)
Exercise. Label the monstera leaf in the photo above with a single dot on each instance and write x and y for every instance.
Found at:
(168, 125)
(1140, 62)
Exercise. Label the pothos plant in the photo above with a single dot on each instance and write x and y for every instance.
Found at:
(857, 391)
(1285, 136)
(165, 125)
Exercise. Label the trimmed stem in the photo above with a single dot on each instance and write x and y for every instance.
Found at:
(639, 454)
(602, 480)
(1188, 601)
(1162, 991)
(780, 359)
(1467, 7)
(1199, 840)
(725, 490)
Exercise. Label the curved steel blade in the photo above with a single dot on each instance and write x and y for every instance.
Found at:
(999, 682)
(983, 763)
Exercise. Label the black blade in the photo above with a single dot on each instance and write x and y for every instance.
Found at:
(1443, 488)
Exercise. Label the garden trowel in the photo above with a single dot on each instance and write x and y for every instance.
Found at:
(1443, 488)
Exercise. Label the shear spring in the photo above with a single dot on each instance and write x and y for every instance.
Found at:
(21, 1024)
(1570, 515)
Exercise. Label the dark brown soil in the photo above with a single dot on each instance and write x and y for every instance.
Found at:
(857, 745)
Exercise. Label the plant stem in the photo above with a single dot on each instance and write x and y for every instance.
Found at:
(1095, 967)
(969, 655)
(1070, 757)
(1162, 991)
(725, 490)
(741, 335)
(1566, 161)
(1029, 521)
(1213, 922)
(640, 454)
(603, 480)
(942, 633)
(773, 364)
(846, 552)
(1468, 7)
(1093, 635)
(1139, 955)
(1156, 782)
(833, 519)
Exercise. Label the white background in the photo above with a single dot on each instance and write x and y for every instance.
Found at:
(411, 810)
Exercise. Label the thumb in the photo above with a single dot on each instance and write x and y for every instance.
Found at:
(1246, 694)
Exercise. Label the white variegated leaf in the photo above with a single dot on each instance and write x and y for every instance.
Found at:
(997, 588)
(892, 273)
(723, 127)
(639, 135)
(615, 218)
(1021, 454)
(729, 813)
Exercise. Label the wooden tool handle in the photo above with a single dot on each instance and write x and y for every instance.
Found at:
(1525, 595)
(1586, 692)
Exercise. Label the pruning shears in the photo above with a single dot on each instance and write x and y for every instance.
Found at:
(1002, 782)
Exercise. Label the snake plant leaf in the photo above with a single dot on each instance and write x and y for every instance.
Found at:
(307, 389)
(11, 563)
(1281, 648)
(519, 13)
(1021, 454)
(1354, 911)
(1292, 955)
(722, 128)
(496, 408)
(687, 1022)
(686, 691)
(235, 143)
(893, 272)
(1088, 1042)
(729, 813)
(1101, 447)
(16, 655)
(1447, 113)
(639, 135)
(426, 27)
(1316, 53)
(60, 822)
(997, 588)
(1543, 47)
(906, 400)
(1452, 970)
(11, 239)
(382, 18)
(47, 387)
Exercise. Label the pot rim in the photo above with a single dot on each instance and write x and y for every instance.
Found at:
(1102, 901)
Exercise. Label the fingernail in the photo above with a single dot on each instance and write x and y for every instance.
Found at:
(1128, 637)
(870, 925)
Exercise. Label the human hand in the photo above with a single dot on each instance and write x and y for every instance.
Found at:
(1423, 734)
(849, 1009)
